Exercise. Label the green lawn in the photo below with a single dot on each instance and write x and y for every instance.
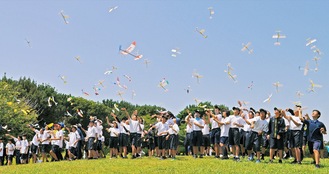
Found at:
(181, 165)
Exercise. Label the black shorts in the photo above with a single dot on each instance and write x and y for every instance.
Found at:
(173, 142)
(34, 148)
(156, 141)
(139, 140)
(206, 140)
(114, 142)
(10, 157)
(223, 140)
(99, 145)
(197, 138)
(123, 140)
(151, 146)
(296, 139)
(242, 136)
(55, 149)
(253, 141)
(91, 145)
(45, 148)
(134, 139)
(23, 156)
(215, 136)
(234, 136)
(276, 143)
(73, 150)
(163, 144)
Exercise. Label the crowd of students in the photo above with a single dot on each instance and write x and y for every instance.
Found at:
(244, 133)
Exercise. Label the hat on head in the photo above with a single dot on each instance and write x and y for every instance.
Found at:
(236, 108)
(262, 110)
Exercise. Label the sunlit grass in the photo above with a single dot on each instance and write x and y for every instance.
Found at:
(182, 164)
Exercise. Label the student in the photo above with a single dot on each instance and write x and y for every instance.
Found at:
(265, 141)
(91, 140)
(133, 128)
(224, 133)
(10, 149)
(296, 133)
(316, 129)
(172, 138)
(74, 138)
(215, 130)
(150, 139)
(44, 140)
(35, 143)
(18, 145)
(57, 142)
(114, 134)
(124, 135)
(24, 149)
(197, 138)
(276, 129)
(188, 137)
(247, 130)
(1, 151)
(162, 128)
(99, 128)
(234, 132)
(206, 136)
(258, 125)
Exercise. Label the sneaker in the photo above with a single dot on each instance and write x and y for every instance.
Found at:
(313, 162)
(258, 161)
(280, 161)
(224, 157)
(164, 157)
(250, 158)
(294, 162)
(201, 156)
(195, 156)
(299, 162)
(317, 166)
(216, 156)
(271, 161)
(133, 157)
(220, 156)
(262, 157)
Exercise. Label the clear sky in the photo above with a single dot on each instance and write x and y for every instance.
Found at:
(158, 26)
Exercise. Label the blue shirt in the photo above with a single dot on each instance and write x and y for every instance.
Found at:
(313, 128)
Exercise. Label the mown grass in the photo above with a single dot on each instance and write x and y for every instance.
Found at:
(181, 165)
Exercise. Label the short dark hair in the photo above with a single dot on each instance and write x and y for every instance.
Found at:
(319, 113)
(217, 107)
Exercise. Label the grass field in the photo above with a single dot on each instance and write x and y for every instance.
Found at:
(182, 164)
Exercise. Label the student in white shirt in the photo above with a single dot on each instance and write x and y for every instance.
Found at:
(10, 149)
(24, 149)
(74, 138)
(35, 143)
(44, 140)
(91, 137)
(206, 136)
(296, 134)
(162, 128)
(124, 134)
(215, 130)
(258, 125)
(57, 142)
(172, 138)
(140, 130)
(197, 125)
(114, 136)
(18, 145)
(1, 151)
(188, 137)
(234, 132)
(133, 128)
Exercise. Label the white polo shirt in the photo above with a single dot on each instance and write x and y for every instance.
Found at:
(259, 124)
(171, 131)
(133, 126)
(236, 119)
(224, 129)
(198, 121)
(91, 132)
(73, 137)
(1, 149)
(292, 124)
(113, 131)
(161, 127)
(214, 124)
(205, 130)
(11, 148)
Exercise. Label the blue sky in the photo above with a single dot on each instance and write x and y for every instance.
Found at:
(94, 34)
